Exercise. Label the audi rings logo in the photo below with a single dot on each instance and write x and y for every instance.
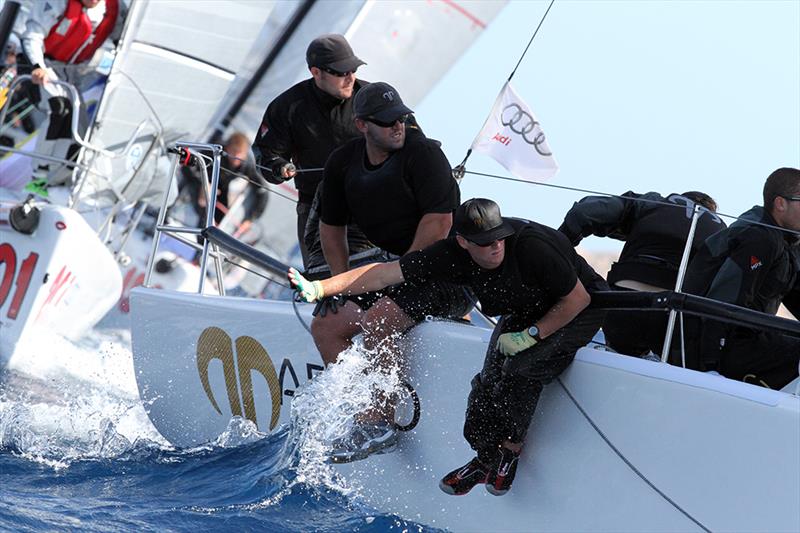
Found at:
(522, 123)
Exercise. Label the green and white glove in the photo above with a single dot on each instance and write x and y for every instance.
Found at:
(510, 344)
(309, 291)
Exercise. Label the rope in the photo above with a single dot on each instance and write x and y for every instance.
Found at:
(531, 41)
(625, 459)
(258, 184)
(644, 200)
(297, 314)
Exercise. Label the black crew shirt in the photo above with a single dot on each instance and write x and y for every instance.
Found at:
(387, 202)
(304, 124)
(539, 268)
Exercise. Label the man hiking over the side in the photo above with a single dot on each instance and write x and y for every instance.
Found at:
(530, 275)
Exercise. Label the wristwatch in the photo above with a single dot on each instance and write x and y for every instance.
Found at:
(533, 331)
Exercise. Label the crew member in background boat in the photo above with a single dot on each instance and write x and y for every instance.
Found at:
(529, 274)
(59, 42)
(755, 263)
(236, 160)
(397, 185)
(654, 229)
(303, 125)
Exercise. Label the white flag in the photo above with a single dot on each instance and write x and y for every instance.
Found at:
(514, 138)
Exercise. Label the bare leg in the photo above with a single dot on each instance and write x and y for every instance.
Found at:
(383, 323)
(334, 333)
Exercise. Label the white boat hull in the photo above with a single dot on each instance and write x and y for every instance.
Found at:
(617, 443)
(60, 279)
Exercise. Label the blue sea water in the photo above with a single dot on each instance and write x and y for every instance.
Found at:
(77, 453)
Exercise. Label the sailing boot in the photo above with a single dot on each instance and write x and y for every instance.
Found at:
(365, 439)
(501, 476)
(461, 480)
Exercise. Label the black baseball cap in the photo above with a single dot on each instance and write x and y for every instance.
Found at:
(332, 51)
(478, 220)
(380, 101)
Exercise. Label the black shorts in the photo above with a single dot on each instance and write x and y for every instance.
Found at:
(438, 299)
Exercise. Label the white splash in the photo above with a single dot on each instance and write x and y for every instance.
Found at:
(62, 401)
(326, 408)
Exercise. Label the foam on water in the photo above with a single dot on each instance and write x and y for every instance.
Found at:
(102, 358)
(77, 446)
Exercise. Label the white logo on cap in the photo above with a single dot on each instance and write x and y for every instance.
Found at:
(388, 95)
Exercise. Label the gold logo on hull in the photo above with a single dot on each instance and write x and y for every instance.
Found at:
(214, 343)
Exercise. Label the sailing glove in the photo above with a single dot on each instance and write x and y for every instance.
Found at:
(510, 344)
(308, 291)
(282, 170)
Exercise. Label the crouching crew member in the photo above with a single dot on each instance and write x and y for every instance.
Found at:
(529, 274)
(654, 229)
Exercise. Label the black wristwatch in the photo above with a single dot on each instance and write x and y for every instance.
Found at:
(533, 331)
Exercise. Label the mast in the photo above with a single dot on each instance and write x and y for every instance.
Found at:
(253, 82)
(7, 17)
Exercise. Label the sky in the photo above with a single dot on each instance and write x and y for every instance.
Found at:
(632, 95)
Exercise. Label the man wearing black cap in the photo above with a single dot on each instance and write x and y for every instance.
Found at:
(397, 186)
(532, 276)
(303, 125)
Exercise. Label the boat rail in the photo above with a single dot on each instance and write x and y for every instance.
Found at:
(214, 239)
(74, 99)
(690, 304)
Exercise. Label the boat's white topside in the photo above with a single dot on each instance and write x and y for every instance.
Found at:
(617, 443)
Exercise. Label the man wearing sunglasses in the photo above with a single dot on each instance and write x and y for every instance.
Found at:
(303, 125)
(528, 274)
(754, 263)
(397, 186)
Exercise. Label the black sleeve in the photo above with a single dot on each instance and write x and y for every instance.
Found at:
(336, 211)
(544, 262)
(431, 178)
(603, 216)
(272, 146)
(744, 271)
(438, 262)
(256, 205)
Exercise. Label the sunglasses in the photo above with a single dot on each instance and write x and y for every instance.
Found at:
(336, 72)
(791, 198)
(402, 119)
(481, 245)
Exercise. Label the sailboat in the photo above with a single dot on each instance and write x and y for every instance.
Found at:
(618, 443)
(196, 78)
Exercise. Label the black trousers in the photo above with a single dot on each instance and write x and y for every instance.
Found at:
(505, 393)
(759, 357)
(635, 332)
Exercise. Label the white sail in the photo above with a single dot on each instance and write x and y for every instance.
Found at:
(174, 66)
(411, 45)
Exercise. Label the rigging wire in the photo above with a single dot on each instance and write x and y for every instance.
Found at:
(518, 180)
(531, 41)
(541, 21)
(611, 195)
